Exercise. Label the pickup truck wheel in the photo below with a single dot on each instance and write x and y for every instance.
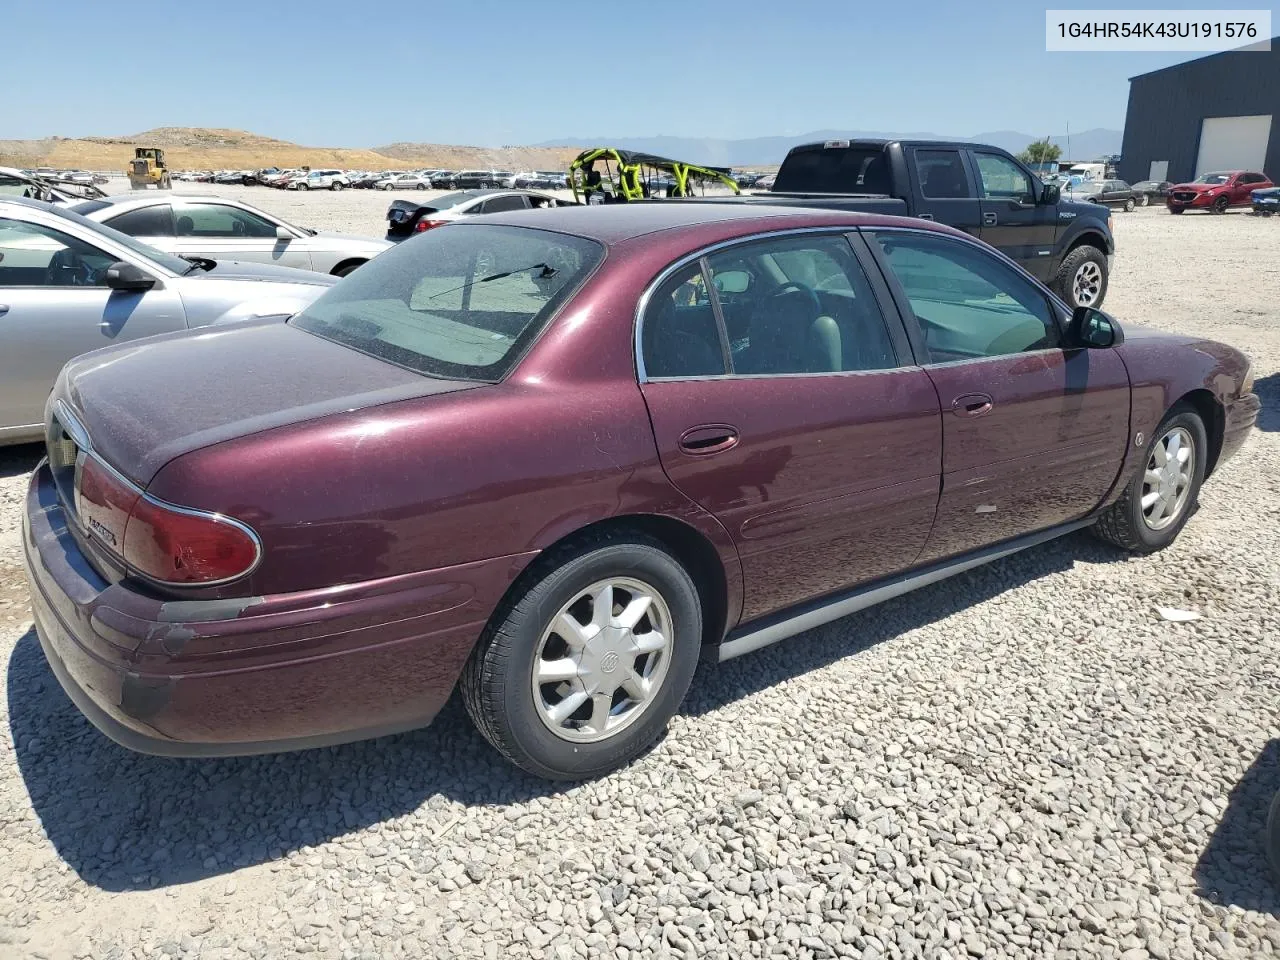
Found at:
(1220, 205)
(1129, 205)
(1162, 494)
(1082, 278)
(581, 672)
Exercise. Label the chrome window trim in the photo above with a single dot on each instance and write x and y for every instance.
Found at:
(72, 425)
(839, 230)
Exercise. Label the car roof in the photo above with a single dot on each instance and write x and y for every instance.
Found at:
(615, 223)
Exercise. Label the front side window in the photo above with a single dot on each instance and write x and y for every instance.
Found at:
(217, 221)
(968, 304)
(33, 255)
(153, 221)
(941, 175)
(462, 302)
(1002, 179)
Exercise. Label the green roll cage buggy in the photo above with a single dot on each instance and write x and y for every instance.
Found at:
(628, 175)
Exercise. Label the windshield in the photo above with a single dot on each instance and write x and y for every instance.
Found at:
(171, 263)
(1212, 178)
(462, 302)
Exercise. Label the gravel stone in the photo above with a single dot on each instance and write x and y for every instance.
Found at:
(1024, 761)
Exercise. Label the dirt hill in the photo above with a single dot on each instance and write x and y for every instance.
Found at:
(188, 148)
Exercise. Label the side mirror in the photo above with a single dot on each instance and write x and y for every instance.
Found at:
(125, 276)
(1093, 329)
(284, 233)
(1051, 194)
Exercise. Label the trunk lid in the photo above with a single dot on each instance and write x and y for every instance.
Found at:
(142, 404)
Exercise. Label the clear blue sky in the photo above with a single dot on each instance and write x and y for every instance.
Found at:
(496, 72)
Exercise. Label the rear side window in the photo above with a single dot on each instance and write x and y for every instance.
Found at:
(155, 221)
(834, 170)
(501, 204)
(461, 303)
(941, 175)
(792, 305)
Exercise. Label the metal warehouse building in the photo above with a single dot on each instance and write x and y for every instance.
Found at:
(1217, 113)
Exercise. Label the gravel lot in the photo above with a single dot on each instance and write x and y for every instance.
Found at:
(1024, 761)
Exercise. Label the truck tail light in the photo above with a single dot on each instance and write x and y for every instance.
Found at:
(422, 226)
(173, 545)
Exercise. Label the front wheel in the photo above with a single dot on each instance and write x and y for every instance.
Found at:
(336, 185)
(1220, 205)
(303, 186)
(1159, 500)
(582, 671)
(1082, 278)
(1129, 205)
(422, 186)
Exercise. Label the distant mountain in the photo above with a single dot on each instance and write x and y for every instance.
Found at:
(1085, 145)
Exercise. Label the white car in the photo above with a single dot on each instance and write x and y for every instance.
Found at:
(319, 180)
(224, 229)
(406, 181)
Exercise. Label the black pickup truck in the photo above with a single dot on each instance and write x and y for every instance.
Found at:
(979, 189)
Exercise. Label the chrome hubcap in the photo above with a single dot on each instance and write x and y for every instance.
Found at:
(1087, 284)
(1166, 484)
(602, 660)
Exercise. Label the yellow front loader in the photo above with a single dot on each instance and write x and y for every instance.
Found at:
(148, 169)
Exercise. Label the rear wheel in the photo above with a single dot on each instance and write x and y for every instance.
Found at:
(303, 186)
(1162, 494)
(581, 672)
(336, 185)
(1143, 200)
(1220, 205)
(422, 186)
(1129, 205)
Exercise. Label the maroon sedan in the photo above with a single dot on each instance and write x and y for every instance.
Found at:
(556, 457)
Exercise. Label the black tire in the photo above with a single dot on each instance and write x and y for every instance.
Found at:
(496, 683)
(421, 186)
(1129, 205)
(347, 268)
(1123, 523)
(1144, 200)
(1272, 838)
(303, 187)
(1220, 205)
(1064, 279)
(336, 185)
(1177, 211)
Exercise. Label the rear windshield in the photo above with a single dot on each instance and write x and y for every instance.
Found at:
(450, 200)
(86, 207)
(462, 301)
(834, 170)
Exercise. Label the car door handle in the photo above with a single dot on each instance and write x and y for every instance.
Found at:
(709, 438)
(972, 405)
(989, 219)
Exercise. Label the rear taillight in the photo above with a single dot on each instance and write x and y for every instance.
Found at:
(187, 547)
(422, 226)
(167, 543)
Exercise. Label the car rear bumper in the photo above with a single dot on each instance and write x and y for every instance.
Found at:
(252, 675)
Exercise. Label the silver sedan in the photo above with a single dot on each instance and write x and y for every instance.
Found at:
(228, 229)
(68, 286)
